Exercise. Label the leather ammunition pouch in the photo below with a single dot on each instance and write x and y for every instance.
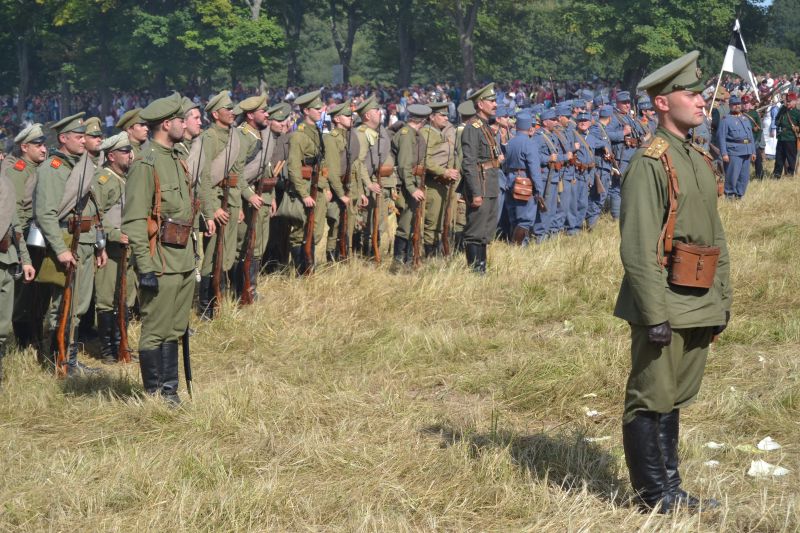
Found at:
(231, 181)
(486, 165)
(385, 171)
(555, 165)
(418, 171)
(85, 222)
(175, 232)
(632, 142)
(5, 242)
(523, 188)
(307, 172)
(693, 265)
(580, 167)
(268, 184)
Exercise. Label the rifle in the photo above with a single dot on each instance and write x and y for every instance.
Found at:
(378, 208)
(65, 329)
(219, 250)
(419, 212)
(187, 363)
(344, 236)
(248, 290)
(448, 215)
(123, 351)
(308, 237)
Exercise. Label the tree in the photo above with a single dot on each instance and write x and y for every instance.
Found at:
(355, 14)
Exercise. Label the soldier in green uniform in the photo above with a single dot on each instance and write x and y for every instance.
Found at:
(166, 264)
(410, 148)
(306, 155)
(466, 110)
(20, 168)
(673, 319)
(109, 193)
(136, 128)
(479, 167)
(374, 167)
(62, 199)
(15, 263)
(341, 146)
(93, 139)
(786, 130)
(442, 174)
(258, 144)
(277, 251)
(224, 161)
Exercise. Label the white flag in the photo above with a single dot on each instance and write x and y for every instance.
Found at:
(735, 60)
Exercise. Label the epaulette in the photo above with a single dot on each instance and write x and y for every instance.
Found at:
(56, 162)
(148, 158)
(301, 127)
(102, 179)
(19, 165)
(477, 123)
(656, 148)
(403, 131)
(700, 149)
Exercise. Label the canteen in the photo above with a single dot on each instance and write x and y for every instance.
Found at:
(100, 238)
(35, 237)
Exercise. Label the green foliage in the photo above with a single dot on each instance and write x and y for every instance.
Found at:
(776, 60)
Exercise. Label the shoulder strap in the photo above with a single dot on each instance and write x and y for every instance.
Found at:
(668, 231)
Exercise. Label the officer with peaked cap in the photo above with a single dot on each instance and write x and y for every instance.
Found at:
(480, 168)
(673, 317)
(159, 218)
(443, 175)
(63, 185)
(136, 128)
(109, 193)
(93, 138)
(21, 170)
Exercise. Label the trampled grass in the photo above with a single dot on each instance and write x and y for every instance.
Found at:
(359, 400)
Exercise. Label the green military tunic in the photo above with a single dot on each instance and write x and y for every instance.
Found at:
(215, 142)
(109, 193)
(165, 313)
(440, 157)
(256, 149)
(478, 150)
(336, 158)
(52, 177)
(668, 378)
(375, 151)
(9, 260)
(304, 147)
(409, 147)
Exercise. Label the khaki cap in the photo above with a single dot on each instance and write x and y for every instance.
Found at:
(163, 109)
(310, 100)
(222, 99)
(129, 118)
(32, 134)
(342, 109)
(120, 141)
(683, 74)
(279, 112)
(253, 103)
(93, 127)
(68, 124)
(484, 93)
(367, 105)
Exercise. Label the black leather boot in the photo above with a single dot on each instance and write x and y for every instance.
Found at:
(150, 365)
(648, 473)
(668, 433)
(431, 250)
(105, 330)
(169, 372)
(482, 258)
(473, 255)
(205, 307)
(400, 250)
(298, 258)
(75, 367)
(236, 275)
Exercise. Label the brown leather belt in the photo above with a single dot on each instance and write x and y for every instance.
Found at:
(85, 222)
(385, 171)
(555, 165)
(231, 181)
(5, 242)
(493, 163)
(580, 167)
(307, 171)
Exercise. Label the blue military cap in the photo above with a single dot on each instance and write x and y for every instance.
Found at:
(578, 103)
(524, 121)
(537, 109)
(623, 96)
(600, 100)
(563, 110)
(735, 100)
(605, 111)
(586, 94)
(583, 117)
(548, 114)
(502, 111)
(645, 103)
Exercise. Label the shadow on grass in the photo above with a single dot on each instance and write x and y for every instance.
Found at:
(566, 461)
(108, 385)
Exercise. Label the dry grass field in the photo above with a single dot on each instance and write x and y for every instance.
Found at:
(359, 400)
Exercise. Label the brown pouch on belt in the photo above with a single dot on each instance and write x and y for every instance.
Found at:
(175, 232)
(523, 189)
(5, 242)
(85, 222)
(693, 265)
(231, 181)
(306, 171)
(418, 171)
(267, 184)
(385, 171)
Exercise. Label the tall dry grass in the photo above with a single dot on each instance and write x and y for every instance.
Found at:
(359, 400)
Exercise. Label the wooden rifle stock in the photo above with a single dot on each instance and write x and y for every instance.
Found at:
(219, 251)
(448, 215)
(123, 351)
(419, 225)
(308, 238)
(248, 291)
(64, 327)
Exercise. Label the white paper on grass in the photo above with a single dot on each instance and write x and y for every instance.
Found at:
(713, 445)
(761, 468)
(591, 413)
(768, 445)
(712, 463)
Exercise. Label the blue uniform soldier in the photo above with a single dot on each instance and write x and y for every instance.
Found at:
(647, 116)
(584, 174)
(604, 166)
(626, 136)
(502, 129)
(566, 187)
(524, 171)
(551, 160)
(737, 148)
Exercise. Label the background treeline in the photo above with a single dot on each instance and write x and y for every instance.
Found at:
(108, 45)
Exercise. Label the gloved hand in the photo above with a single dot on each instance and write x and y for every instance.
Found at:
(660, 334)
(719, 329)
(148, 281)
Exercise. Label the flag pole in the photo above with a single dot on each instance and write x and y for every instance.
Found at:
(719, 80)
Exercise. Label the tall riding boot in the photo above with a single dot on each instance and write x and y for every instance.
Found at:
(668, 432)
(400, 251)
(431, 250)
(236, 275)
(482, 258)
(205, 307)
(298, 258)
(473, 255)
(150, 365)
(23, 331)
(519, 236)
(169, 372)
(648, 473)
(45, 354)
(105, 327)
(75, 367)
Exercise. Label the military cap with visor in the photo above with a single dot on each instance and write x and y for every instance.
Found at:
(341, 110)
(524, 122)
(69, 124)
(32, 134)
(466, 108)
(120, 142)
(162, 109)
(129, 118)
(548, 114)
(310, 100)
(440, 107)
(253, 103)
(484, 93)
(367, 105)
(219, 101)
(623, 96)
(187, 104)
(419, 111)
(93, 128)
(683, 74)
(279, 112)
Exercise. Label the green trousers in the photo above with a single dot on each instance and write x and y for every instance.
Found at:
(663, 379)
(165, 313)
(84, 285)
(334, 214)
(6, 302)
(297, 233)
(262, 222)
(435, 199)
(229, 248)
(107, 278)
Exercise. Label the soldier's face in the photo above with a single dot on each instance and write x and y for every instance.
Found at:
(35, 153)
(682, 108)
(736, 108)
(312, 114)
(93, 143)
(175, 129)
(224, 116)
(372, 118)
(276, 126)
(583, 125)
(73, 142)
(488, 107)
(344, 121)
(138, 132)
(193, 123)
(122, 159)
(260, 118)
(439, 120)
(624, 107)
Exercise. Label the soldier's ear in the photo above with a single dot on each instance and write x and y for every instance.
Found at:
(661, 103)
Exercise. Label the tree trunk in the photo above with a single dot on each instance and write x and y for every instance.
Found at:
(105, 102)
(24, 76)
(64, 109)
(255, 8)
(465, 18)
(405, 44)
(293, 24)
(345, 49)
